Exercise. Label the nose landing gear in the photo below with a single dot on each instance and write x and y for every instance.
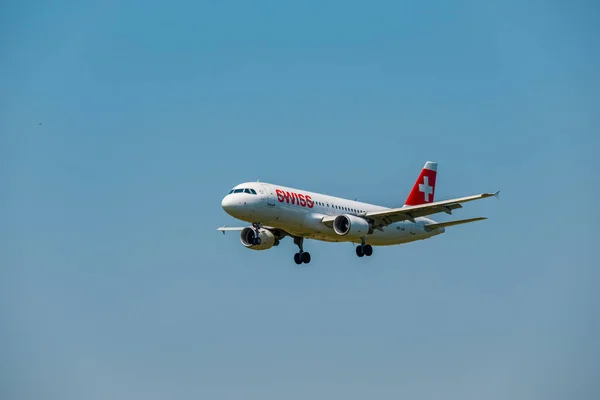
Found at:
(256, 239)
(301, 256)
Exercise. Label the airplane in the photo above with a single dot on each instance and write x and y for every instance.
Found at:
(276, 211)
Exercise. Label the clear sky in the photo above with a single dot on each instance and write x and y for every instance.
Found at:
(115, 284)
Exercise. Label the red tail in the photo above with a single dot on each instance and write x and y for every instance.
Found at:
(424, 189)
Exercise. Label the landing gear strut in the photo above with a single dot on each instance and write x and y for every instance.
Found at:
(256, 239)
(364, 249)
(301, 256)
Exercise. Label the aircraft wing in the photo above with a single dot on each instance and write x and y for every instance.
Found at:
(387, 217)
(230, 228)
(277, 232)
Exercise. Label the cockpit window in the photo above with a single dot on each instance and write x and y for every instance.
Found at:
(243, 190)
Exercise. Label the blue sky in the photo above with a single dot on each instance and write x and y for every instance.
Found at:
(115, 284)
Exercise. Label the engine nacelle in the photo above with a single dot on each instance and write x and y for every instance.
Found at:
(267, 239)
(351, 226)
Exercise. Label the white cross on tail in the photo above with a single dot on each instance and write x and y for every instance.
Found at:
(425, 188)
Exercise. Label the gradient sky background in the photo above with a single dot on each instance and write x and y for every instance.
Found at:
(114, 283)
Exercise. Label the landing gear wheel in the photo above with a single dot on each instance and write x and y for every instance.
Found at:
(359, 251)
(368, 250)
(301, 256)
(305, 257)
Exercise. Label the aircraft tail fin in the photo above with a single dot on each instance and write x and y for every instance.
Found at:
(423, 190)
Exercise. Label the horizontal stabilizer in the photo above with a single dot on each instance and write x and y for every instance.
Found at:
(430, 227)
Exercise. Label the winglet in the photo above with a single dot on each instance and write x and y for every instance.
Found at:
(486, 195)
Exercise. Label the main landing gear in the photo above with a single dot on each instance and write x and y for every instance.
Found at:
(301, 256)
(364, 249)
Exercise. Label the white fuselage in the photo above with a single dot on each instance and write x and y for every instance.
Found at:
(299, 212)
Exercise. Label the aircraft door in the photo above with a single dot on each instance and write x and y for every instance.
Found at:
(270, 196)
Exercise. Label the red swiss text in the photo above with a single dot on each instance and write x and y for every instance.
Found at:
(294, 198)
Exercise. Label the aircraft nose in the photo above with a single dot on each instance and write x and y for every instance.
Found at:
(231, 205)
(227, 203)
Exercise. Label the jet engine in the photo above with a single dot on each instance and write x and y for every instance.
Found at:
(351, 226)
(266, 239)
